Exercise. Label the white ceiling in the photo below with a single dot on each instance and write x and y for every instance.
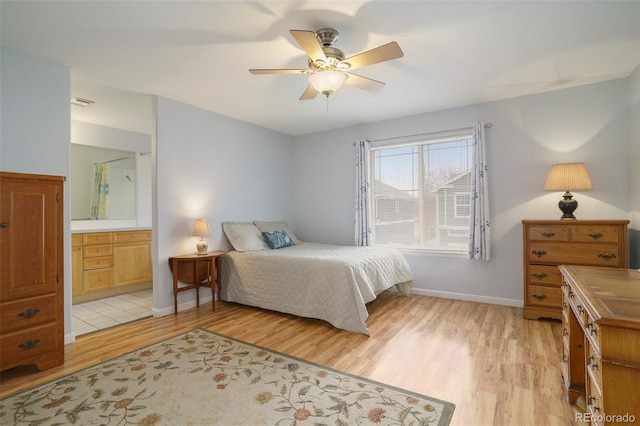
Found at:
(199, 52)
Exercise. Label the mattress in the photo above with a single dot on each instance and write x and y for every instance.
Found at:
(327, 282)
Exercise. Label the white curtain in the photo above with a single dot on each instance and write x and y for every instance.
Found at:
(480, 222)
(363, 189)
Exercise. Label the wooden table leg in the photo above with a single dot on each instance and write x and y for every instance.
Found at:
(218, 282)
(175, 287)
(195, 282)
(212, 282)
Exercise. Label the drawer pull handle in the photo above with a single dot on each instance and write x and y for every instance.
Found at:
(29, 344)
(596, 236)
(607, 256)
(29, 313)
(4, 225)
(539, 296)
(548, 234)
(540, 275)
(539, 253)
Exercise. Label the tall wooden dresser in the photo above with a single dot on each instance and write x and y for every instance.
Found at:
(601, 342)
(549, 243)
(32, 270)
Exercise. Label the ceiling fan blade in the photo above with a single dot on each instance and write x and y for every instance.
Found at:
(309, 43)
(364, 83)
(277, 71)
(382, 53)
(310, 93)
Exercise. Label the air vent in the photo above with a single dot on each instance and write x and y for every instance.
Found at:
(81, 102)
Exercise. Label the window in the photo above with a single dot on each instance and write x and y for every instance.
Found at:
(421, 192)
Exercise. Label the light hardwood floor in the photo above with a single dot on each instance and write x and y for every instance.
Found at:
(498, 368)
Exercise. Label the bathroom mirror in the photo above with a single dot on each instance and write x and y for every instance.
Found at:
(103, 183)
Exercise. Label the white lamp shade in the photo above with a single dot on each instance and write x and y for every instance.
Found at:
(201, 228)
(568, 177)
(327, 81)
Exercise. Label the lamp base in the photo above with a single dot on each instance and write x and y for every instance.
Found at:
(202, 246)
(567, 205)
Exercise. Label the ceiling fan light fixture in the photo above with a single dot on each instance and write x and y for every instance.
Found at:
(327, 82)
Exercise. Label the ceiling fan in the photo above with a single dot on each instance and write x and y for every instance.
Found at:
(329, 69)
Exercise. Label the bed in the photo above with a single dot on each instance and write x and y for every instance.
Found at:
(327, 282)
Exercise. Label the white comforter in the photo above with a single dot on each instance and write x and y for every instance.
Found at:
(321, 281)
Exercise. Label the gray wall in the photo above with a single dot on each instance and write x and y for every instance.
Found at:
(217, 168)
(586, 124)
(35, 132)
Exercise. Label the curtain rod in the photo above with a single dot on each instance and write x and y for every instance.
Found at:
(117, 159)
(486, 126)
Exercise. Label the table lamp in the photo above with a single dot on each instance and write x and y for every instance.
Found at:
(201, 229)
(568, 177)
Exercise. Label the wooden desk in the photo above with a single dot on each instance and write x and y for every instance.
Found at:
(195, 270)
(601, 340)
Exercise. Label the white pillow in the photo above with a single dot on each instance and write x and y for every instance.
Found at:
(277, 226)
(244, 236)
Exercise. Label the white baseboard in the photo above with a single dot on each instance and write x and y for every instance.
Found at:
(517, 303)
(181, 307)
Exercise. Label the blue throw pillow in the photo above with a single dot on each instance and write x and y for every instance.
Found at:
(277, 239)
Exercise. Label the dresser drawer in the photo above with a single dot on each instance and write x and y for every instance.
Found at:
(131, 236)
(16, 347)
(98, 279)
(98, 263)
(545, 275)
(594, 367)
(76, 240)
(27, 313)
(592, 331)
(576, 254)
(594, 402)
(98, 250)
(544, 296)
(551, 233)
(97, 238)
(596, 234)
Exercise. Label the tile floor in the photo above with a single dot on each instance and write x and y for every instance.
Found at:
(104, 313)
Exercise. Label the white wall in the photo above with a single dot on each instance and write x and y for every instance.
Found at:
(89, 134)
(35, 132)
(223, 169)
(634, 169)
(214, 167)
(587, 124)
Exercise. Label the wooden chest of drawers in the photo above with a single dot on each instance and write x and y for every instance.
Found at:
(601, 342)
(549, 243)
(32, 271)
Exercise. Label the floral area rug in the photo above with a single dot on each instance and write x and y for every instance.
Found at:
(203, 378)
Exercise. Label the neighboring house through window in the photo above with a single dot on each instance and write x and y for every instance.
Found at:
(421, 193)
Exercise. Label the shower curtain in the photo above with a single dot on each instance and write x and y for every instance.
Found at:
(100, 203)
